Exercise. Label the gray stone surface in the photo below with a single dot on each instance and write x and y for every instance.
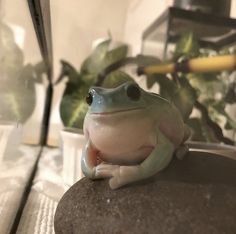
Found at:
(196, 195)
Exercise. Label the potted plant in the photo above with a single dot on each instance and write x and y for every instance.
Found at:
(73, 106)
(208, 94)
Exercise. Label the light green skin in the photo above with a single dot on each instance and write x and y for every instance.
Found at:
(129, 140)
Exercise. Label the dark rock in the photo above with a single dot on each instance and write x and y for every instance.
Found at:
(196, 195)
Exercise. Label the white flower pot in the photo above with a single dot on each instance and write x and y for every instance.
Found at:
(73, 141)
(55, 123)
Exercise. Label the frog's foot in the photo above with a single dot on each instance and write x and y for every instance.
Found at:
(114, 182)
(105, 170)
(181, 152)
(124, 175)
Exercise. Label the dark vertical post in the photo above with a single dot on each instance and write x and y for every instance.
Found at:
(40, 14)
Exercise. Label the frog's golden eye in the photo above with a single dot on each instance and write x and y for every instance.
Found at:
(89, 99)
(133, 92)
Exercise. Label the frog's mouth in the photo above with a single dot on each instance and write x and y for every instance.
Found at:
(116, 111)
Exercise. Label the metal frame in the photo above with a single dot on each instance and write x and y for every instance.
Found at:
(41, 17)
(198, 17)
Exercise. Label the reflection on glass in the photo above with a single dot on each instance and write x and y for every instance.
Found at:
(21, 71)
(5, 130)
(18, 80)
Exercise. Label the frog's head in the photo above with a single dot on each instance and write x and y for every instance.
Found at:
(129, 96)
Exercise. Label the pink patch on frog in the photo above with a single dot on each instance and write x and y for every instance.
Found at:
(173, 132)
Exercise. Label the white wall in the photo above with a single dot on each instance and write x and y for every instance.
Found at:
(140, 14)
(233, 9)
(77, 23)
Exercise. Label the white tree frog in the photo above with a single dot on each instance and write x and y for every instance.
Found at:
(131, 134)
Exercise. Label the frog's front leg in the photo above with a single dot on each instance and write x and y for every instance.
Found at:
(89, 160)
(90, 166)
(105, 170)
(155, 162)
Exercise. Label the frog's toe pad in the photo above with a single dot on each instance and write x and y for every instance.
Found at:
(114, 183)
(104, 170)
(181, 152)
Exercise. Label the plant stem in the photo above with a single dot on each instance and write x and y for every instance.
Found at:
(214, 126)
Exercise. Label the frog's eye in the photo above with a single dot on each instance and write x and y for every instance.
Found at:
(89, 99)
(133, 92)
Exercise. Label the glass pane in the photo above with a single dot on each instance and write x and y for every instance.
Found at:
(191, 35)
(74, 37)
(87, 36)
(22, 69)
(22, 94)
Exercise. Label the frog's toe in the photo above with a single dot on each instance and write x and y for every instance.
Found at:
(114, 183)
(181, 152)
(104, 170)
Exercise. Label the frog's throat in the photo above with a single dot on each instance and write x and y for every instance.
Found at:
(116, 111)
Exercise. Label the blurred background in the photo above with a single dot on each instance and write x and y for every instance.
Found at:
(51, 52)
(70, 32)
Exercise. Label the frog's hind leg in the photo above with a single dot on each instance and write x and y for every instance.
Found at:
(187, 133)
(183, 149)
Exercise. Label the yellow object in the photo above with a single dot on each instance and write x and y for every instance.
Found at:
(208, 64)
(160, 68)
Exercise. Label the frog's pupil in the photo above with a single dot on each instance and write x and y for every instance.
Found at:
(89, 99)
(133, 92)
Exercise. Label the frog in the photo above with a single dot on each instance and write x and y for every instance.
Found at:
(131, 134)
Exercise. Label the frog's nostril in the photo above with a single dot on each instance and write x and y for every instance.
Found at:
(133, 92)
(89, 98)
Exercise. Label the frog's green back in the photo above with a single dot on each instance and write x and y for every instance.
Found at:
(168, 117)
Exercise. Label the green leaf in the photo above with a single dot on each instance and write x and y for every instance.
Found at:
(196, 126)
(81, 90)
(201, 78)
(102, 57)
(228, 126)
(70, 71)
(167, 87)
(115, 79)
(93, 63)
(184, 97)
(187, 46)
(115, 55)
(230, 123)
(230, 96)
(17, 103)
(17, 89)
(73, 109)
(161, 79)
(145, 60)
(150, 81)
(88, 80)
(200, 130)
(11, 55)
(181, 94)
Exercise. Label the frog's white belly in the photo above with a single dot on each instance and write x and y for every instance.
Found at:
(122, 140)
